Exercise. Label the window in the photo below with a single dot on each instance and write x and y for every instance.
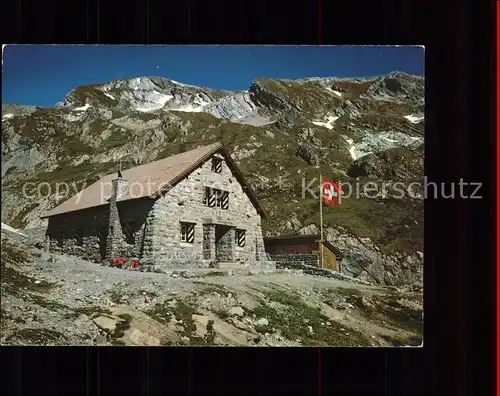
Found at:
(187, 232)
(217, 165)
(240, 238)
(206, 198)
(218, 194)
(222, 199)
(214, 197)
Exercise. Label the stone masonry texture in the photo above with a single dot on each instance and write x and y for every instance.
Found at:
(290, 259)
(84, 233)
(184, 203)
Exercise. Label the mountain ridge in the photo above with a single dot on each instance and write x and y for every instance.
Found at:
(277, 129)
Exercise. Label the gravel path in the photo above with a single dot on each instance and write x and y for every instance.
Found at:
(75, 291)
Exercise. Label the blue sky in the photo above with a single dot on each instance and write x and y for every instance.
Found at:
(42, 75)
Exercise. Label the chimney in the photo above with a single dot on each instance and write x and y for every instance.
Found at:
(119, 186)
(114, 241)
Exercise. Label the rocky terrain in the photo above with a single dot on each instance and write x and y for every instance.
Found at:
(282, 133)
(49, 299)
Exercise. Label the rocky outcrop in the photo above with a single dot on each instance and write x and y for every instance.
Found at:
(232, 107)
(397, 164)
(22, 159)
(364, 260)
(398, 86)
(268, 98)
(14, 110)
(308, 154)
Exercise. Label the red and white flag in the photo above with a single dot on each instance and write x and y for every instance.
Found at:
(331, 193)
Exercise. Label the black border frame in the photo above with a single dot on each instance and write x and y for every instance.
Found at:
(459, 347)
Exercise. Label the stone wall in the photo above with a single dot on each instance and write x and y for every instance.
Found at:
(84, 233)
(209, 242)
(184, 203)
(316, 271)
(306, 259)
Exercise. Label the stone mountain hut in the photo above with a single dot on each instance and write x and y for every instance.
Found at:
(189, 210)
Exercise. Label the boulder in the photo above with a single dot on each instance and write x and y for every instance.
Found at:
(139, 337)
(236, 311)
(106, 322)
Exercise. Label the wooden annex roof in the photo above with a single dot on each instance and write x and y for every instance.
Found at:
(152, 180)
(294, 239)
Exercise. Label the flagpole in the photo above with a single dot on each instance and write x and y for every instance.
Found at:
(321, 215)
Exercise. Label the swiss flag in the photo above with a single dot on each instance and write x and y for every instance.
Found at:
(331, 192)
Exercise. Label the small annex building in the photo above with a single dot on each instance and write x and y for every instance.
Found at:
(303, 248)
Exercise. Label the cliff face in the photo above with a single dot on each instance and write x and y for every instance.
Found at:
(282, 133)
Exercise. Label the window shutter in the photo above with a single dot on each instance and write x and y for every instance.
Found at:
(190, 233)
(211, 197)
(240, 234)
(187, 232)
(225, 200)
(217, 165)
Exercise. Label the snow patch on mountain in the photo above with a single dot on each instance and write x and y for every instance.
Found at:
(328, 124)
(178, 83)
(182, 84)
(109, 96)
(414, 119)
(7, 116)
(83, 108)
(334, 91)
(372, 142)
(189, 108)
(352, 147)
(148, 100)
(11, 229)
(140, 83)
